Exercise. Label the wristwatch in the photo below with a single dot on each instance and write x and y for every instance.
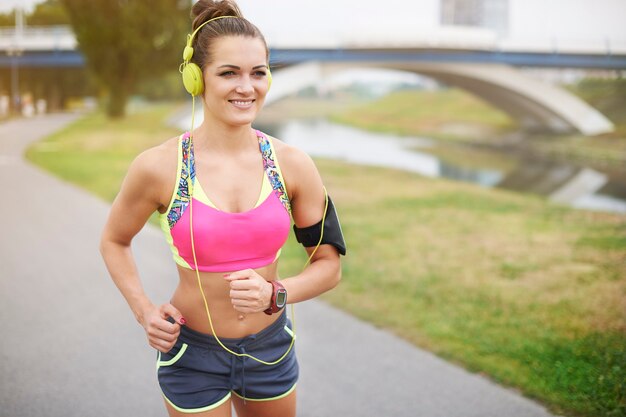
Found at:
(279, 298)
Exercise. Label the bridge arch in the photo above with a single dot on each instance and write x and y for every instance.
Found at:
(535, 105)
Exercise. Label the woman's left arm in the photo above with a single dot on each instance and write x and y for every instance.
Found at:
(306, 190)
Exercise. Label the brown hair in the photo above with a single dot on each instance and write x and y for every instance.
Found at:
(205, 10)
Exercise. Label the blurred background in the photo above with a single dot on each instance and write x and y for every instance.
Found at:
(476, 149)
(538, 77)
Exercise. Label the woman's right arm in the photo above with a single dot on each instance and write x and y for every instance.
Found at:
(140, 195)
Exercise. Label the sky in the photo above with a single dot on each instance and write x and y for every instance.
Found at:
(371, 20)
(7, 5)
(324, 20)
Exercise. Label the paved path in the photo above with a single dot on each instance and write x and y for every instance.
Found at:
(71, 347)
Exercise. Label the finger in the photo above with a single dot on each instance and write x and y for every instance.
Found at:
(253, 304)
(162, 346)
(242, 295)
(244, 308)
(254, 283)
(158, 322)
(158, 334)
(242, 285)
(168, 310)
(239, 275)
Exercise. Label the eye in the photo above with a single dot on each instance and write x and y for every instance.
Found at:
(260, 73)
(227, 73)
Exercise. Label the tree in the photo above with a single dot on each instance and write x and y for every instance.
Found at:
(48, 13)
(127, 41)
(7, 19)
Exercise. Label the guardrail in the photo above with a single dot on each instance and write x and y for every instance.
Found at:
(38, 38)
(46, 38)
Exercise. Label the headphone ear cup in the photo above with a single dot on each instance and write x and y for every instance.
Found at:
(192, 79)
(269, 79)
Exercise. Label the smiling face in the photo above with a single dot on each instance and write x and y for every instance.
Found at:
(236, 80)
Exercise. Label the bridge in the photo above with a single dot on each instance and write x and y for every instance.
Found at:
(473, 59)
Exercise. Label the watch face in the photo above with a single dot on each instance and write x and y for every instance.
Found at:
(281, 298)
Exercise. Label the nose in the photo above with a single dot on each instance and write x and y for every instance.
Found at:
(245, 86)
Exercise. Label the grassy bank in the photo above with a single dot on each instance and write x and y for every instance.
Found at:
(604, 151)
(454, 115)
(449, 114)
(530, 294)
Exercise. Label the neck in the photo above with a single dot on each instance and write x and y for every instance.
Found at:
(217, 136)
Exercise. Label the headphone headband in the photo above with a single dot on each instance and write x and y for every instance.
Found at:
(188, 51)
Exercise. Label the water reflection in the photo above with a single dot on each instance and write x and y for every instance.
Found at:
(324, 139)
(578, 187)
(321, 138)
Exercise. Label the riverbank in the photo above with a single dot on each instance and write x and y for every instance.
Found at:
(508, 285)
(455, 116)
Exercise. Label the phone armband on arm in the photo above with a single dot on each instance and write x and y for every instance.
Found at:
(332, 233)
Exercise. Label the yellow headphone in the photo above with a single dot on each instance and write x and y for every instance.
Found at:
(191, 72)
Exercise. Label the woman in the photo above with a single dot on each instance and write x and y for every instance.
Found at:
(225, 330)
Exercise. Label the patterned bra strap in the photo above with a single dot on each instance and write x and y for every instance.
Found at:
(187, 175)
(272, 170)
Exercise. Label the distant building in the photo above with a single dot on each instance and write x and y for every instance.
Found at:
(489, 14)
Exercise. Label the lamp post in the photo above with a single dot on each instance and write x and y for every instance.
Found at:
(15, 52)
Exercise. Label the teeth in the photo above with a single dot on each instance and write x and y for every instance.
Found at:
(241, 103)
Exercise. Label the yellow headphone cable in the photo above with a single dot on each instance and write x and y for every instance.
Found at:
(193, 251)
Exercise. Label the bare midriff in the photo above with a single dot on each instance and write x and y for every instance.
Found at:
(227, 322)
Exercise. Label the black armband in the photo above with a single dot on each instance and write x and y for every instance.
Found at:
(332, 234)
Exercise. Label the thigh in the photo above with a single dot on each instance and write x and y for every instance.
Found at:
(283, 407)
(223, 410)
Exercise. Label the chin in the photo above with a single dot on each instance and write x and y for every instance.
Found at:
(242, 119)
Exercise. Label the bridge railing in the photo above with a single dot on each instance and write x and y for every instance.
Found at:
(38, 38)
(49, 38)
(481, 39)
(588, 46)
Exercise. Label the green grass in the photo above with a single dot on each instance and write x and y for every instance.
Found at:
(448, 114)
(531, 294)
(95, 152)
(604, 151)
(606, 95)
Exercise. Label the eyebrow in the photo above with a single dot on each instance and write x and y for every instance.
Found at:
(238, 68)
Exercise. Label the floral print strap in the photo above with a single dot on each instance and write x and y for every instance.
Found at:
(187, 176)
(272, 171)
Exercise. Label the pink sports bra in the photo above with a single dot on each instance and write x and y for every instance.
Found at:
(226, 242)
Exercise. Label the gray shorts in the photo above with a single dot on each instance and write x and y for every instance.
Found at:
(197, 374)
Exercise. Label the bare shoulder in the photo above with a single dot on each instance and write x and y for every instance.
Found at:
(157, 162)
(294, 162)
(144, 189)
(302, 179)
(152, 174)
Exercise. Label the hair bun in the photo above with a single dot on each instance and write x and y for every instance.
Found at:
(204, 10)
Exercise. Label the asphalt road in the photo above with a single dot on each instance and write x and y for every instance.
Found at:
(71, 347)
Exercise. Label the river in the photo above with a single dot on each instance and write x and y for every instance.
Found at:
(577, 186)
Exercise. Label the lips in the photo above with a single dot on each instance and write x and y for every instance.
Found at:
(243, 104)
